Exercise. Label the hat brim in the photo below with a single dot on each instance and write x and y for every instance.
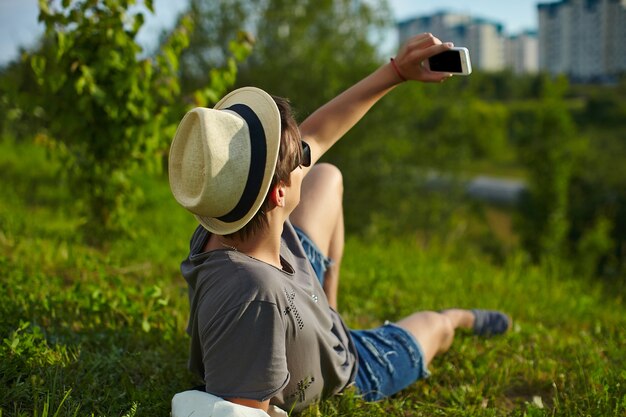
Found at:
(265, 108)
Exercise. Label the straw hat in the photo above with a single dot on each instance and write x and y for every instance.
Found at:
(222, 160)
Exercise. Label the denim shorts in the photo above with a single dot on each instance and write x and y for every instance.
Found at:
(319, 262)
(389, 357)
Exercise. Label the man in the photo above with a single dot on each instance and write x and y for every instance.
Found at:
(263, 267)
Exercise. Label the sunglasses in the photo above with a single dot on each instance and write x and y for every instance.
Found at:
(305, 158)
(306, 155)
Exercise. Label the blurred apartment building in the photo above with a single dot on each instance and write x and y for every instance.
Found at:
(585, 39)
(490, 48)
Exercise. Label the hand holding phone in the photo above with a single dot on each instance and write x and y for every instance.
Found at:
(455, 60)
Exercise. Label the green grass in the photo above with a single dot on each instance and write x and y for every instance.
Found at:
(88, 331)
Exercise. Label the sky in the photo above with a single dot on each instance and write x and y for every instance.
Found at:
(19, 26)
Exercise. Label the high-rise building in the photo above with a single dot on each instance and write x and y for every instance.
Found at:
(585, 39)
(522, 53)
(446, 26)
(485, 39)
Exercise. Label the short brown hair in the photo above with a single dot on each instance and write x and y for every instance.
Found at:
(289, 156)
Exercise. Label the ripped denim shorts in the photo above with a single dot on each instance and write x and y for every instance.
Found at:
(390, 359)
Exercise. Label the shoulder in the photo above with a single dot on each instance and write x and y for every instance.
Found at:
(233, 303)
(231, 280)
(249, 276)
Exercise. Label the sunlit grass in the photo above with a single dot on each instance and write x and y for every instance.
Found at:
(89, 331)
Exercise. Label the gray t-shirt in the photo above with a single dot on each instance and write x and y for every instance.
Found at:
(261, 332)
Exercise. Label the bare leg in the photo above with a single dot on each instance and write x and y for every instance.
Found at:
(320, 216)
(435, 331)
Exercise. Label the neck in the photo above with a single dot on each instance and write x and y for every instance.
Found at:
(263, 245)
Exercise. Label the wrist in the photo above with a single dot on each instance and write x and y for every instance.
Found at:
(392, 61)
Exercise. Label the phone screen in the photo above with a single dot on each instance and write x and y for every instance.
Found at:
(447, 61)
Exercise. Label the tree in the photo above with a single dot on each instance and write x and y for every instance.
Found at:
(549, 149)
(106, 109)
(305, 50)
(215, 25)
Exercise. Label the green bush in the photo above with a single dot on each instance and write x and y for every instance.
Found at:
(107, 109)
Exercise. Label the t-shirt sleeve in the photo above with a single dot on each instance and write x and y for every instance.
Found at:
(244, 352)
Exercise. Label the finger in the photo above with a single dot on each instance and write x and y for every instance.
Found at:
(436, 49)
(422, 42)
(429, 41)
(420, 37)
(422, 54)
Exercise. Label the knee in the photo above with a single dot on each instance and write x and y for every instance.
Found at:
(446, 330)
(329, 175)
(441, 327)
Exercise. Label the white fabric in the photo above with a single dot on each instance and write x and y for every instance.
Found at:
(202, 404)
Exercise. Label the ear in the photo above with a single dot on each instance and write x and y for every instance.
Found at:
(277, 194)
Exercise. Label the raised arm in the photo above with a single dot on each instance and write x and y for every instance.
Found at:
(331, 121)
